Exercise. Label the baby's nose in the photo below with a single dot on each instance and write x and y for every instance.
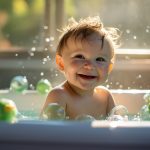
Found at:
(88, 65)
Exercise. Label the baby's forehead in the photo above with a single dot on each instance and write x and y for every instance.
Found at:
(96, 35)
(95, 41)
(95, 38)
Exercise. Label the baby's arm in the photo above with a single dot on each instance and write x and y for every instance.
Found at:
(111, 103)
(55, 96)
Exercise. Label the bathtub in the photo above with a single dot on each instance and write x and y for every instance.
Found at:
(33, 134)
(32, 101)
(41, 135)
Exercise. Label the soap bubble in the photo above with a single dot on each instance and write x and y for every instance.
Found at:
(116, 118)
(54, 111)
(136, 118)
(85, 117)
(119, 110)
(8, 110)
(43, 86)
(118, 113)
(146, 97)
(145, 112)
(19, 84)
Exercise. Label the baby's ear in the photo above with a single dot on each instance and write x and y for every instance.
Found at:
(59, 62)
(110, 67)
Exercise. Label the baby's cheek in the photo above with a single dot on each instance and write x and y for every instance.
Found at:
(103, 70)
(76, 63)
(103, 67)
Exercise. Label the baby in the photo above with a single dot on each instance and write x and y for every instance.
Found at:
(85, 55)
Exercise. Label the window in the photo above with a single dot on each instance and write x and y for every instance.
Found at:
(20, 24)
(28, 37)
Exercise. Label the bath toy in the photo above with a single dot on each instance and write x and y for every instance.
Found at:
(54, 111)
(43, 86)
(84, 117)
(19, 84)
(8, 110)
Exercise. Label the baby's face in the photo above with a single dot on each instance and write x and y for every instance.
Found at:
(85, 63)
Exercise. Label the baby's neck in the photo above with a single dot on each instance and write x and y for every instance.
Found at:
(77, 91)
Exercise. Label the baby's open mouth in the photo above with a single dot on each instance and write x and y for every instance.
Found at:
(87, 76)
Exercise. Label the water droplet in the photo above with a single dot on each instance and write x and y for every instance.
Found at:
(47, 39)
(120, 86)
(45, 27)
(147, 30)
(31, 54)
(117, 83)
(48, 57)
(139, 76)
(31, 86)
(33, 49)
(134, 37)
(45, 59)
(42, 73)
(107, 85)
(52, 38)
(45, 48)
(128, 31)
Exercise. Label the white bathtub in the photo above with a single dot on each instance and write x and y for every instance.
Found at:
(41, 135)
(71, 135)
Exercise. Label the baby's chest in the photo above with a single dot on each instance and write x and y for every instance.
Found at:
(88, 107)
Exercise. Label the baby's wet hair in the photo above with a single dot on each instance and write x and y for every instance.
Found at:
(84, 28)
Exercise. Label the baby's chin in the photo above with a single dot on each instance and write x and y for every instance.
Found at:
(91, 86)
(87, 87)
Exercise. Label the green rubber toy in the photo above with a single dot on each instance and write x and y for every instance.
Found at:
(43, 86)
(8, 111)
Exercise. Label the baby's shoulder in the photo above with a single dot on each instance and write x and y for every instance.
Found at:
(57, 92)
(57, 95)
(102, 89)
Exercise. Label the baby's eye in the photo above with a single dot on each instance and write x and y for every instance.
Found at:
(100, 59)
(79, 56)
